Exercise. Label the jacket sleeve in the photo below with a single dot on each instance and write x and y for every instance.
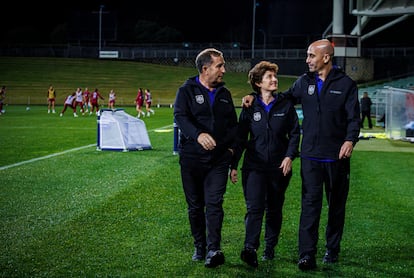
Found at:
(231, 126)
(294, 134)
(182, 115)
(353, 115)
(293, 93)
(240, 141)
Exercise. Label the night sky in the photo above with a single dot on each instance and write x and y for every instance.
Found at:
(207, 20)
(197, 21)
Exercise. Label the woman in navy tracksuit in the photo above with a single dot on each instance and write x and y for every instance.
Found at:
(269, 133)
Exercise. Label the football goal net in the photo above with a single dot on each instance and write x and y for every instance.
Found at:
(119, 131)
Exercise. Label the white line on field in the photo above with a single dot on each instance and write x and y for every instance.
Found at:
(56, 154)
(44, 157)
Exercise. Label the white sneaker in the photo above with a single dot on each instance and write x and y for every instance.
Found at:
(75, 115)
(53, 111)
(61, 115)
(48, 111)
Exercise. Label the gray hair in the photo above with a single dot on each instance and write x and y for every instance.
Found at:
(204, 58)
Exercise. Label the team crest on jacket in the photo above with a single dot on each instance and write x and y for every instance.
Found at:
(311, 90)
(257, 116)
(199, 99)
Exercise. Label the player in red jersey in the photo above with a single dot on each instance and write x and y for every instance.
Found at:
(95, 96)
(139, 101)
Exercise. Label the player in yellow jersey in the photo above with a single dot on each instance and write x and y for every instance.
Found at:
(51, 98)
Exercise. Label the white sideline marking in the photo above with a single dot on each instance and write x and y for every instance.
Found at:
(56, 154)
(44, 157)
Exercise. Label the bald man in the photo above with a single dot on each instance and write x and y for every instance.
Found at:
(331, 125)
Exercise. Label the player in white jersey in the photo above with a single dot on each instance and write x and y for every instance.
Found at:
(111, 100)
(79, 100)
(69, 102)
(148, 102)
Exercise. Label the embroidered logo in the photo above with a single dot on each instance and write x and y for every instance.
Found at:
(311, 90)
(199, 99)
(335, 92)
(257, 116)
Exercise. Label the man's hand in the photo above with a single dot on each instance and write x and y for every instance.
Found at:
(346, 150)
(206, 141)
(286, 165)
(233, 176)
(247, 101)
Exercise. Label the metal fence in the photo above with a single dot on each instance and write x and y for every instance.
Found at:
(172, 53)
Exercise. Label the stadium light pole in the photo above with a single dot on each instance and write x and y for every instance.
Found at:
(254, 26)
(100, 27)
(264, 41)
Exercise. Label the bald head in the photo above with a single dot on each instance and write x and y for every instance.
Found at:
(323, 46)
(319, 57)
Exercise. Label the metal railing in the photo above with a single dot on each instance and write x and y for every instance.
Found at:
(138, 52)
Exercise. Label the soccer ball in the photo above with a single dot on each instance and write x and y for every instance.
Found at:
(27, 108)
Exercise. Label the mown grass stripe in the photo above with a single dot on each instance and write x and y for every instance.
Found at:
(64, 152)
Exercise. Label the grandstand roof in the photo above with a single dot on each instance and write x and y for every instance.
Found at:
(383, 7)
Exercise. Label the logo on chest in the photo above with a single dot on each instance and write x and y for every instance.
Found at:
(257, 116)
(311, 89)
(199, 99)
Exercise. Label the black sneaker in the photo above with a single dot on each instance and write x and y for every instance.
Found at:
(268, 254)
(214, 258)
(307, 262)
(199, 254)
(249, 256)
(330, 257)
